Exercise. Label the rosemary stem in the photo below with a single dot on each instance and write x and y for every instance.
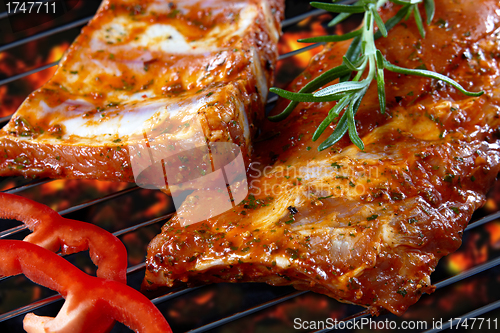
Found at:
(362, 53)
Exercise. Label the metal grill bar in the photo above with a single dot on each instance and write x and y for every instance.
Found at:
(468, 273)
(29, 308)
(173, 294)
(481, 221)
(294, 20)
(14, 12)
(99, 200)
(294, 53)
(46, 33)
(272, 99)
(20, 76)
(473, 314)
(247, 312)
(14, 230)
(32, 184)
(316, 12)
(144, 224)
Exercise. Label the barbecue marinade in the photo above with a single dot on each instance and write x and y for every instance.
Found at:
(365, 227)
(137, 66)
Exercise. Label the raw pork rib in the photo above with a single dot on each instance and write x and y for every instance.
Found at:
(142, 68)
(365, 227)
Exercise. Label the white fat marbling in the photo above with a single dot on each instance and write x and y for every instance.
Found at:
(270, 20)
(166, 38)
(132, 120)
(259, 74)
(282, 261)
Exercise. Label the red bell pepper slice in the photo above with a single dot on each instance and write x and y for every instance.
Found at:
(92, 303)
(54, 232)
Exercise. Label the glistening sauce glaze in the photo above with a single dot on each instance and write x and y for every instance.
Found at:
(363, 227)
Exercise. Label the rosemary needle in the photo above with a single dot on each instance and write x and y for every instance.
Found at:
(362, 56)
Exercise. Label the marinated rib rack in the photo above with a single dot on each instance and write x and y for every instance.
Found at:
(263, 303)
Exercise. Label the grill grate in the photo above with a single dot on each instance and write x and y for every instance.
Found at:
(272, 296)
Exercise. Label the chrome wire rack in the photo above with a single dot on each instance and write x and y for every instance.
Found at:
(256, 303)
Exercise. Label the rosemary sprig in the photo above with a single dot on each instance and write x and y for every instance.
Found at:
(362, 56)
